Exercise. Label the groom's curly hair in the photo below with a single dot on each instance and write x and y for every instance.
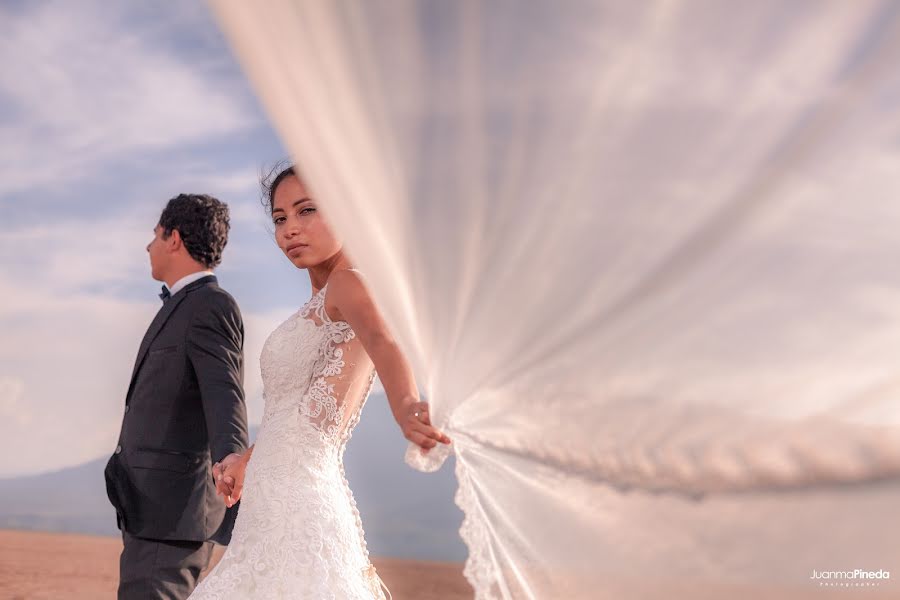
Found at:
(202, 222)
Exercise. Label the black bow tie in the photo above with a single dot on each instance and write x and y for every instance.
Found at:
(165, 295)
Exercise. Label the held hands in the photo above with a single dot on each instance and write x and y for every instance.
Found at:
(417, 428)
(229, 477)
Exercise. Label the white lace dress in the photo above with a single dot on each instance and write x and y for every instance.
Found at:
(298, 533)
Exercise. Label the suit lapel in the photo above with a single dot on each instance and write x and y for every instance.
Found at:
(159, 321)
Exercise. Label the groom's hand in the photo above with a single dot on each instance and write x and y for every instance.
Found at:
(225, 483)
(234, 479)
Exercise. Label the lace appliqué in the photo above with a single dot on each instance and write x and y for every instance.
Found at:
(321, 405)
(480, 569)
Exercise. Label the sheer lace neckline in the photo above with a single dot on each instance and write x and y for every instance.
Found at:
(316, 305)
(314, 309)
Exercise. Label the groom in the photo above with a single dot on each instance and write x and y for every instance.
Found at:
(184, 410)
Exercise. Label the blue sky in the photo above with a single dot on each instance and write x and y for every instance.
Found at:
(107, 110)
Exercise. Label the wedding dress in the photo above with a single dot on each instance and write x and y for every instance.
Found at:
(298, 532)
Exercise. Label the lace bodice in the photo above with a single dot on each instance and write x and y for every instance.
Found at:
(298, 532)
(321, 362)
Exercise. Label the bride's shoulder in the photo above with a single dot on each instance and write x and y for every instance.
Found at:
(345, 280)
(346, 287)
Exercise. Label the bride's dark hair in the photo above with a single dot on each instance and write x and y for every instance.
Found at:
(269, 183)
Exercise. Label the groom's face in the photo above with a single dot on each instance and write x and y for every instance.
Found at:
(159, 255)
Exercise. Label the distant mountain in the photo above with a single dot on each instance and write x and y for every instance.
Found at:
(406, 514)
(70, 500)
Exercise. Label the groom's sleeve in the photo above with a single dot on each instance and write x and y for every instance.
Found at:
(215, 348)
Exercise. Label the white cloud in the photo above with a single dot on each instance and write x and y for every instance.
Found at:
(79, 89)
(70, 348)
(73, 355)
(12, 409)
(65, 255)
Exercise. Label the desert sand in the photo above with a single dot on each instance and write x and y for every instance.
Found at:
(51, 566)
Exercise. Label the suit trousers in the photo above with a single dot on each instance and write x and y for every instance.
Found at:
(160, 569)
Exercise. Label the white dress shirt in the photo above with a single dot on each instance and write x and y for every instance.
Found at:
(178, 285)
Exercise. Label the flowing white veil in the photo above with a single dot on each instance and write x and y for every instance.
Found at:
(644, 259)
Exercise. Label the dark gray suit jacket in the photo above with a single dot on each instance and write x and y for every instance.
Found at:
(184, 410)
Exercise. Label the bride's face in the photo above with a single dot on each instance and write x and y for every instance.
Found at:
(300, 230)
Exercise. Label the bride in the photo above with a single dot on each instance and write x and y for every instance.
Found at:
(298, 533)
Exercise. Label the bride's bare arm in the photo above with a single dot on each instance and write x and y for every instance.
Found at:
(349, 300)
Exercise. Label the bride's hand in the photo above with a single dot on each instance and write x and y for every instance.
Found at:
(417, 427)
